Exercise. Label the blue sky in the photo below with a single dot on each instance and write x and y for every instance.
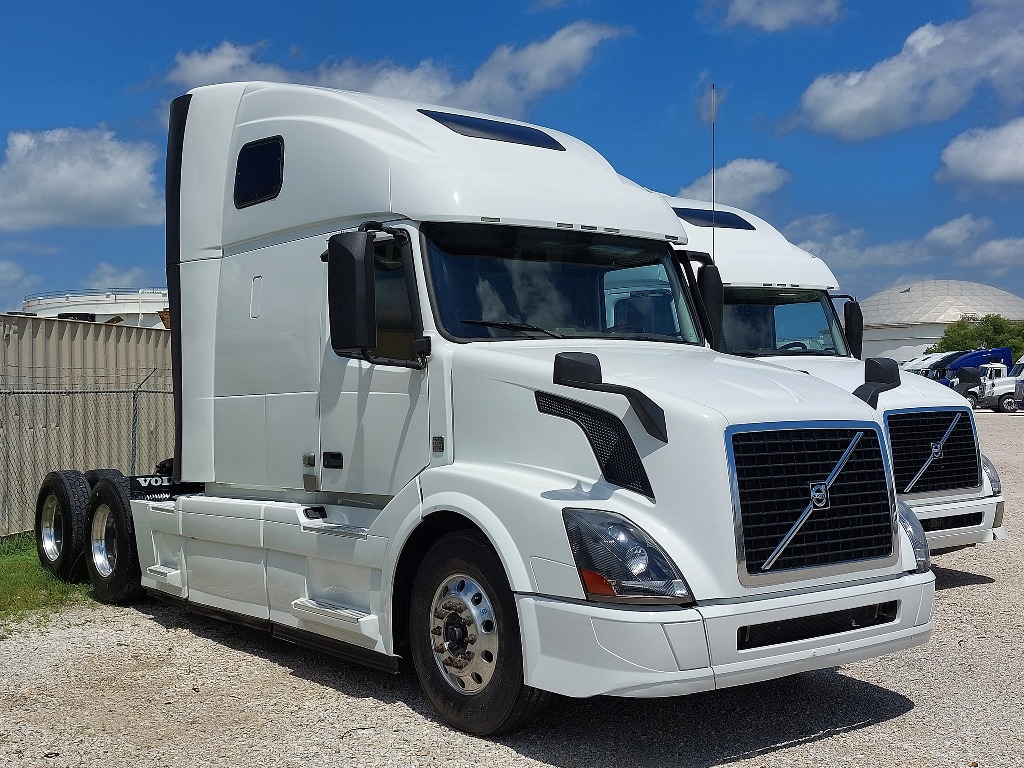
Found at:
(885, 137)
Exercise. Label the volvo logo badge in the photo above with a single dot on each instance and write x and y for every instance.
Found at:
(819, 500)
(819, 495)
(935, 452)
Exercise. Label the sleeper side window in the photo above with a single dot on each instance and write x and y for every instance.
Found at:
(395, 327)
(259, 173)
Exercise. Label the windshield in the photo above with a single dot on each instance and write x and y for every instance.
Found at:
(498, 282)
(780, 321)
(1015, 371)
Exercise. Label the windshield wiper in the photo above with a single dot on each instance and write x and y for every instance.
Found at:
(507, 326)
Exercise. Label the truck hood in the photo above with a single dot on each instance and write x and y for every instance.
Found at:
(741, 391)
(848, 373)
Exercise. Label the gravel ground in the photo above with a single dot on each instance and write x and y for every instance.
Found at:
(150, 685)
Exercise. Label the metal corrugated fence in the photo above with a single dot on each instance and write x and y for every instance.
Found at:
(80, 396)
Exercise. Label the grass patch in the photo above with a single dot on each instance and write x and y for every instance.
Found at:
(25, 588)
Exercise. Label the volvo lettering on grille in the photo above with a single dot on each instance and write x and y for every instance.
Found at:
(936, 453)
(818, 500)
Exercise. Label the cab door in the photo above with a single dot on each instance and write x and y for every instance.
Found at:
(374, 431)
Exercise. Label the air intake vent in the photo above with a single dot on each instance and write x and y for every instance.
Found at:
(781, 474)
(608, 437)
(917, 440)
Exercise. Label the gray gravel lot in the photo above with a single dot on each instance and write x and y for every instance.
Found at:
(150, 685)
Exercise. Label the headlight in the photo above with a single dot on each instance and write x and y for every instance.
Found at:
(914, 529)
(993, 476)
(619, 563)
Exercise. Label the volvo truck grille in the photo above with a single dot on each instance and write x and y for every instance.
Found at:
(933, 450)
(811, 497)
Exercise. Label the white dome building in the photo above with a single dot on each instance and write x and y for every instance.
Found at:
(902, 321)
(128, 306)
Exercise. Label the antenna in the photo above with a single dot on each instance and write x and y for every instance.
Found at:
(713, 227)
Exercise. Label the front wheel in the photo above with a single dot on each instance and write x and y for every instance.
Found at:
(112, 556)
(1007, 404)
(465, 640)
(972, 400)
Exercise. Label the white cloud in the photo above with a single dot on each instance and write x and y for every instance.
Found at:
(777, 15)
(742, 182)
(108, 276)
(77, 177)
(508, 83)
(1008, 252)
(957, 232)
(951, 250)
(987, 156)
(935, 75)
(15, 284)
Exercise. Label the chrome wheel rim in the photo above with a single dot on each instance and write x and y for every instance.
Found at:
(103, 541)
(51, 528)
(463, 634)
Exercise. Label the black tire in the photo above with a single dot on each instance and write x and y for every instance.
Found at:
(972, 400)
(1007, 404)
(93, 476)
(111, 553)
(62, 510)
(498, 700)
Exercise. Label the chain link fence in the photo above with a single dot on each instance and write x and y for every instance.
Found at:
(69, 402)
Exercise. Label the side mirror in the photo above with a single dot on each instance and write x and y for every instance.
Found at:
(351, 305)
(853, 325)
(712, 293)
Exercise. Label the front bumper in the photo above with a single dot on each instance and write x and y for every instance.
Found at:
(586, 649)
(959, 523)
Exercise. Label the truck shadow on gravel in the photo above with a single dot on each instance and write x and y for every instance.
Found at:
(704, 729)
(950, 578)
(708, 729)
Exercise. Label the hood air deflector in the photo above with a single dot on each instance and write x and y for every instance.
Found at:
(582, 370)
(880, 375)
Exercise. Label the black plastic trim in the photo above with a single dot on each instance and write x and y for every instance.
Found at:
(818, 625)
(311, 640)
(345, 651)
(172, 196)
(582, 370)
(880, 375)
(618, 458)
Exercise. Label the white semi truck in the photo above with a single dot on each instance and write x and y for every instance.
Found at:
(998, 388)
(777, 305)
(413, 423)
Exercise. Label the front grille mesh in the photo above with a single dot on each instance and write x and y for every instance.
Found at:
(912, 436)
(774, 474)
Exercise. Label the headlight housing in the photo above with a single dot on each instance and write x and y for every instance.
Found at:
(993, 476)
(619, 563)
(915, 531)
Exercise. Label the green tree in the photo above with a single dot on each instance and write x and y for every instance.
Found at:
(990, 331)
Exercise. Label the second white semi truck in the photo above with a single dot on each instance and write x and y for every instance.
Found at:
(777, 306)
(419, 419)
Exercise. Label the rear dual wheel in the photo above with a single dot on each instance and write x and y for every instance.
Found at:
(112, 556)
(62, 509)
(465, 640)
